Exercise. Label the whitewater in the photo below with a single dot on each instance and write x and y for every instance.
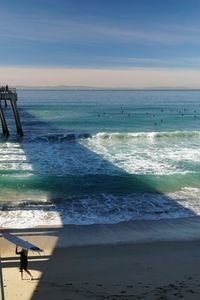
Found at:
(101, 157)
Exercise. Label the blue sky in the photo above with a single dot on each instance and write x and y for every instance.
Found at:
(100, 34)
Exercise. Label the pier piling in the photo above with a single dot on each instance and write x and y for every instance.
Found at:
(3, 122)
(7, 94)
(17, 119)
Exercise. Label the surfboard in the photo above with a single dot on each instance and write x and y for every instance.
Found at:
(20, 242)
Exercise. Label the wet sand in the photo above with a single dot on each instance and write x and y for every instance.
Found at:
(148, 269)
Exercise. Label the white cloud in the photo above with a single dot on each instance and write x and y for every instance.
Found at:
(37, 28)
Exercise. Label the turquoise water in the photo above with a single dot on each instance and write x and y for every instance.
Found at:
(101, 157)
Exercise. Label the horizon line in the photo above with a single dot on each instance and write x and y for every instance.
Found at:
(65, 87)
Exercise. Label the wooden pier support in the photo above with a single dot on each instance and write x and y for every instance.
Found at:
(8, 95)
(17, 119)
(3, 122)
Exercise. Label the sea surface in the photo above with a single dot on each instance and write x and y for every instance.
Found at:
(101, 157)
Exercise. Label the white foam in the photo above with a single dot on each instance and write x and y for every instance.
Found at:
(147, 135)
(110, 155)
(13, 157)
(158, 157)
(106, 209)
(29, 218)
(102, 156)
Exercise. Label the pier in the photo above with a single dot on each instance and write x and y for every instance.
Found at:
(9, 95)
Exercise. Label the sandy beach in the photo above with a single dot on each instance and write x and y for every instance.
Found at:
(79, 264)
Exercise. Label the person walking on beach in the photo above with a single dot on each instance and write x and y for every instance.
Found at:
(23, 262)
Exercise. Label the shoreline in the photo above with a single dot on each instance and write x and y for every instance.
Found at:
(132, 232)
(127, 232)
(75, 266)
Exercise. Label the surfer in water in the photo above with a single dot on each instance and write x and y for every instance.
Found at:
(23, 262)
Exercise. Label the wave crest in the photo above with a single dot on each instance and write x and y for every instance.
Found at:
(60, 137)
(146, 135)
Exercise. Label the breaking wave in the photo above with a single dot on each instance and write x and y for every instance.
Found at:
(102, 209)
(60, 137)
(147, 135)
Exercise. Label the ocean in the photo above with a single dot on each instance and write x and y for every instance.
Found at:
(101, 157)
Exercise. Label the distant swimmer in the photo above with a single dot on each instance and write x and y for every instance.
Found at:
(23, 262)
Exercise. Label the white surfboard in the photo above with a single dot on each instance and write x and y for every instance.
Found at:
(20, 242)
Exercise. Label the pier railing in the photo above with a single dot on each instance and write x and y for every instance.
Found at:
(6, 89)
(9, 94)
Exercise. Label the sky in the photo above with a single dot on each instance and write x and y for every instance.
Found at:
(100, 43)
